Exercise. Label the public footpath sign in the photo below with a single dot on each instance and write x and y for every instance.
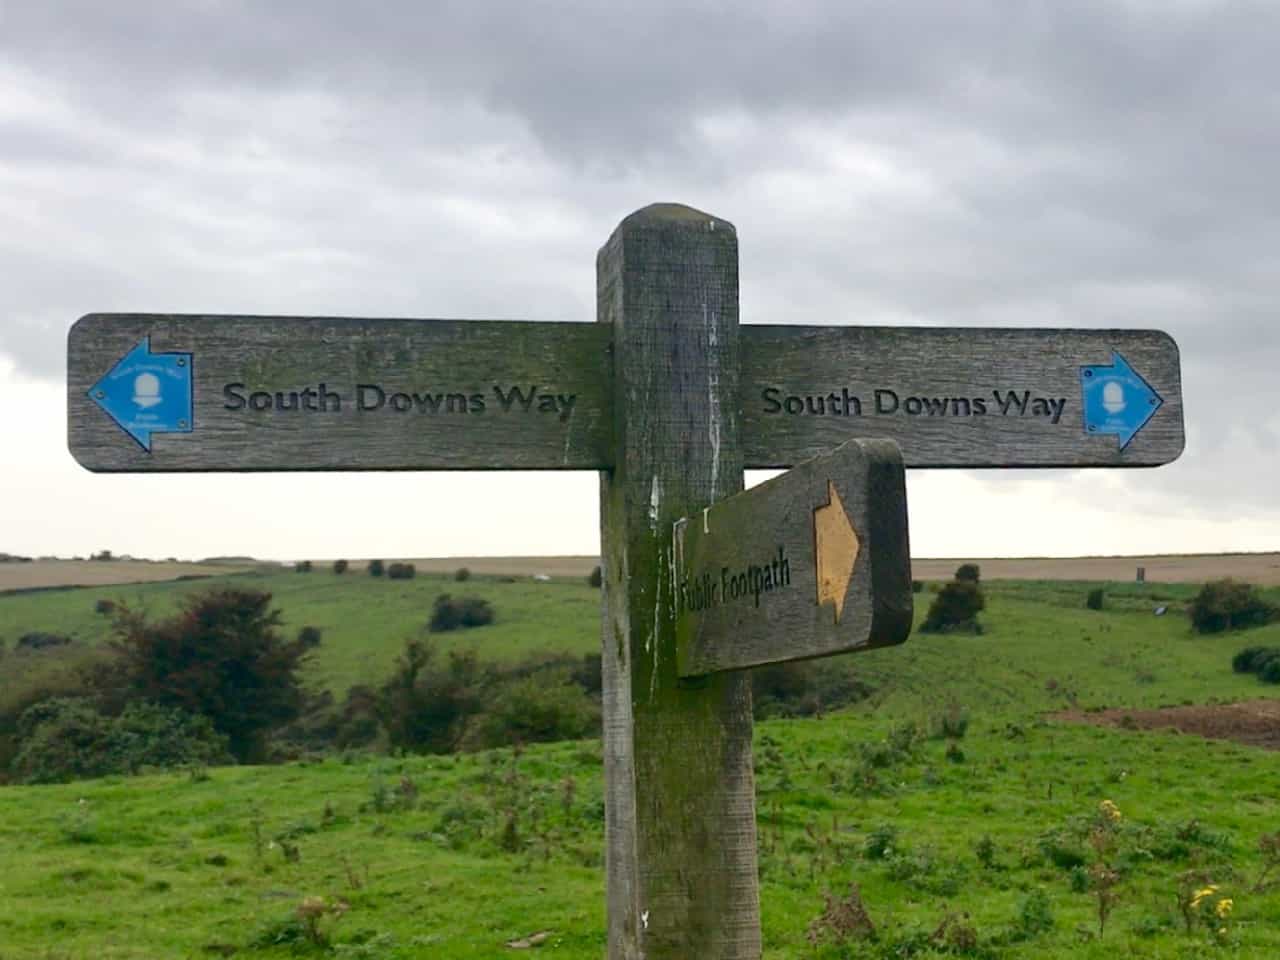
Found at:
(669, 398)
(808, 564)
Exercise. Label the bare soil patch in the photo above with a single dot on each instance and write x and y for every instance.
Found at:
(1255, 723)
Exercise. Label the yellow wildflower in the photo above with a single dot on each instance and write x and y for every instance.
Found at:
(1110, 812)
(1223, 908)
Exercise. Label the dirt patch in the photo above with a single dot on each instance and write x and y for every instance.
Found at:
(1255, 723)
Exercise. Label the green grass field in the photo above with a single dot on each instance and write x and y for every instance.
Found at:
(365, 620)
(984, 840)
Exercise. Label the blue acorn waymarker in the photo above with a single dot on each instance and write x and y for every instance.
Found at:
(147, 393)
(1116, 399)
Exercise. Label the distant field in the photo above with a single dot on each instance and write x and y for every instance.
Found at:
(94, 573)
(1260, 568)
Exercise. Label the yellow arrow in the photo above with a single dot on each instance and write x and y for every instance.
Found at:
(836, 545)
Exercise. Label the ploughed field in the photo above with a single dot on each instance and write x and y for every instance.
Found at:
(975, 814)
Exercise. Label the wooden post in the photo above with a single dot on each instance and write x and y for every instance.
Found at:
(680, 811)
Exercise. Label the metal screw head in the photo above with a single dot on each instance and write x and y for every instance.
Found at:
(1088, 373)
(182, 423)
(101, 394)
(182, 361)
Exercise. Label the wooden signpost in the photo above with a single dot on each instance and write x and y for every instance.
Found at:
(669, 398)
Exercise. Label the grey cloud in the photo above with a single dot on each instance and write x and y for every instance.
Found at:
(1084, 164)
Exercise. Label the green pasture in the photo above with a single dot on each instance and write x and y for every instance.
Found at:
(974, 845)
(365, 620)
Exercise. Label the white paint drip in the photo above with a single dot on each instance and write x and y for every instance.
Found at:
(713, 398)
(655, 501)
(644, 919)
(706, 527)
(568, 435)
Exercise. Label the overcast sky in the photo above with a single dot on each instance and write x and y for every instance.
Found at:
(1018, 164)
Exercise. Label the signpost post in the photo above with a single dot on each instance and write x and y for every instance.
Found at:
(669, 399)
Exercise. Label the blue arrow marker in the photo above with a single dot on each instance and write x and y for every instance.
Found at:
(1116, 399)
(147, 393)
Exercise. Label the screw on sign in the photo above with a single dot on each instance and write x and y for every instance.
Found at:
(669, 398)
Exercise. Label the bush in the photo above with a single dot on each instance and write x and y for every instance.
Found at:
(1094, 600)
(66, 738)
(968, 573)
(222, 656)
(375, 568)
(596, 577)
(462, 574)
(105, 607)
(401, 571)
(425, 707)
(302, 566)
(41, 641)
(339, 566)
(1270, 672)
(1252, 659)
(917, 586)
(539, 708)
(1224, 605)
(450, 614)
(955, 608)
(309, 637)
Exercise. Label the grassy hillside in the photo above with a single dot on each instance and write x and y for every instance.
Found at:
(983, 840)
(365, 619)
(1038, 632)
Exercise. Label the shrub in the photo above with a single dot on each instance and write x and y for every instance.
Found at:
(1094, 600)
(462, 574)
(596, 577)
(539, 708)
(955, 608)
(968, 572)
(339, 566)
(450, 614)
(1252, 659)
(425, 707)
(105, 607)
(222, 656)
(375, 568)
(401, 571)
(1035, 914)
(309, 637)
(1270, 672)
(917, 586)
(302, 566)
(41, 641)
(1229, 605)
(66, 738)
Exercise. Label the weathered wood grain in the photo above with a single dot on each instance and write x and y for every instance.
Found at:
(823, 366)
(679, 808)
(803, 390)
(748, 568)
(460, 371)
